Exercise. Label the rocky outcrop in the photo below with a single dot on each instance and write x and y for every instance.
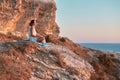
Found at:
(58, 60)
(61, 59)
(28, 61)
(15, 16)
(105, 64)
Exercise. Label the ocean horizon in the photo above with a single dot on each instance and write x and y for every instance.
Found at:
(115, 47)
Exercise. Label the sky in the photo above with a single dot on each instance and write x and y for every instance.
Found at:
(89, 21)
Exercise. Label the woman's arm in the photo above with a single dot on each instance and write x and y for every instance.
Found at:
(34, 33)
(40, 35)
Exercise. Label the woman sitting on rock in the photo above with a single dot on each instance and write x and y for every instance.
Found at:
(34, 36)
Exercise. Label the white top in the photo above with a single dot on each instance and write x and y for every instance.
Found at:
(30, 32)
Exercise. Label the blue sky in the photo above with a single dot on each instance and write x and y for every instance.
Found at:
(89, 20)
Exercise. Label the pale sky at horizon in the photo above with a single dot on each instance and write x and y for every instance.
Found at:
(89, 21)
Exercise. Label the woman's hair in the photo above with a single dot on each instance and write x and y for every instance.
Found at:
(32, 22)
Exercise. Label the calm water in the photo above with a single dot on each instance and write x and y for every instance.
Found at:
(103, 46)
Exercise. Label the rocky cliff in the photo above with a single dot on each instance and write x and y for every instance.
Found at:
(61, 59)
(15, 16)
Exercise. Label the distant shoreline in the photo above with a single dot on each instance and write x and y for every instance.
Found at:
(112, 47)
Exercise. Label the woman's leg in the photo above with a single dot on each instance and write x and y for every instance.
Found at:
(41, 39)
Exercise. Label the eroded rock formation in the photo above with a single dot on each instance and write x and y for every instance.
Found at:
(15, 16)
(28, 61)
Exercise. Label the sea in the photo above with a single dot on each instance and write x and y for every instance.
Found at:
(115, 47)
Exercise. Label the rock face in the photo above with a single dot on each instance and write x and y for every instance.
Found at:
(15, 16)
(28, 61)
(61, 59)
(105, 64)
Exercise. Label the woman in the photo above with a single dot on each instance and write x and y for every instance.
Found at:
(33, 35)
